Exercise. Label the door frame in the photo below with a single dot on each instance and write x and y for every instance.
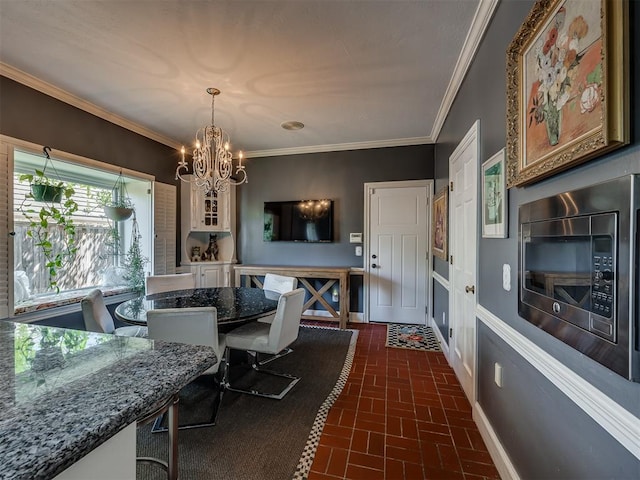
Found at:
(368, 187)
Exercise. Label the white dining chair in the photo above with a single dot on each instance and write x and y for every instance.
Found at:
(98, 319)
(271, 339)
(194, 326)
(279, 284)
(168, 283)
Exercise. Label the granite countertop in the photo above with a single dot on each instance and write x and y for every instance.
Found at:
(65, 392)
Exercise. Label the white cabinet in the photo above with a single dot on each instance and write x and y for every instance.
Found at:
(207, 234)
(210, 274)
(206, 212)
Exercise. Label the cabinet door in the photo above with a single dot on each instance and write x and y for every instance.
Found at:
(196, 207)
(211, 276)
(224, 211)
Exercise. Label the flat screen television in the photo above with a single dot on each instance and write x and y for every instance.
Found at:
(298, 221)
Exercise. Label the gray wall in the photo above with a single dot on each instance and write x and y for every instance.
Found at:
(339, 176)
(543, 433)
(30, 115)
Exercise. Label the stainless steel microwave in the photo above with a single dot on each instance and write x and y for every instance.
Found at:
(578, 270)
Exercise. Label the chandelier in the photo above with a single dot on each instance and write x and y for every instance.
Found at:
(212, 160)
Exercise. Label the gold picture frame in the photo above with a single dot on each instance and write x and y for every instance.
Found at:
(440, 224)
(567, 87)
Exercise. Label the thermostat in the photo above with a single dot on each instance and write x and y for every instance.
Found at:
(355, 238)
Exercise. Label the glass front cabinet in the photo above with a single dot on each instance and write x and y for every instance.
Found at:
(208, 235)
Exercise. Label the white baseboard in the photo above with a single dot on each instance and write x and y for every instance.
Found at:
(354, 317)
(498, 454)
(444, 345)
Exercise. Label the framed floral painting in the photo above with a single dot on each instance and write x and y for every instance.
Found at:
(494, 197)
(439, 225)
(567, 87)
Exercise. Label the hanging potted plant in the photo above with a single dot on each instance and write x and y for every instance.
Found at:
(43, 188)
(51, 223)
(135, 261)
(116, 204)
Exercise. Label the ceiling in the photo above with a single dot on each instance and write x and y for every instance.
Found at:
(357, 73)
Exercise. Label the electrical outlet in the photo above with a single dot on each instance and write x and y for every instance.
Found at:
(358, 251)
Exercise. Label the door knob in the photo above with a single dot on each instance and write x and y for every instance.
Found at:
(470, 288)
(373, 265)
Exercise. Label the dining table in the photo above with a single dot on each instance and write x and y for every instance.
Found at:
(235, 305)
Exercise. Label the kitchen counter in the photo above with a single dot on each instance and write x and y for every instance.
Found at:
(65, 392)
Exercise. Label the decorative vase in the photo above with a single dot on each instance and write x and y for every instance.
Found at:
(553, 120)
(47, 193)
(117, 214)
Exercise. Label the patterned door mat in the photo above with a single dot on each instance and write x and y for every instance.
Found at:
(415, 337)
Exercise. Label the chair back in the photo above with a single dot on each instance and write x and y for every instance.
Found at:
(285, 326)
(96, 316)
(194, 326)
(167, 283)
(279, 283)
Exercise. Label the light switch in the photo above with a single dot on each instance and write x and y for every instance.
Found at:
(506, 277)
(355, 238)
(358, 251)
(497, 377)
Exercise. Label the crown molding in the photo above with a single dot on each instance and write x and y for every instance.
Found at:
(66, 97)
(479, 25)
(336, 147)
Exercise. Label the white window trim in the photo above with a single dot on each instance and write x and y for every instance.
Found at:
(7, 147)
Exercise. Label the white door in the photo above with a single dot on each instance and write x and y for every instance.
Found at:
(396, 251)
(463, 213)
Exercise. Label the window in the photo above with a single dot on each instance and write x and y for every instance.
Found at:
(101, 243)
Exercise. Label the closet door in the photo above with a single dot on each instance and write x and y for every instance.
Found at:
(164, 225)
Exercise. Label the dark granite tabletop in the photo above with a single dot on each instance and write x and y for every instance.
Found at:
(65, 392)
(234, 304)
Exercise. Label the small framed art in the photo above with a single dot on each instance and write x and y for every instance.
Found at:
(494, 197)
(439, 225)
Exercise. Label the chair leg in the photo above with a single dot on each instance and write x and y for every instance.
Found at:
(271, 358)
(255, 366)
(171, 465)
(157, 424)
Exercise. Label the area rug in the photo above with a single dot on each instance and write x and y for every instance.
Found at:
(415, 337)
(259, 438)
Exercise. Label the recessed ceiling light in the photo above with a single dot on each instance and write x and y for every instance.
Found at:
(292, 125)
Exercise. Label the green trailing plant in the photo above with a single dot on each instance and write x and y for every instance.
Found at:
(135, 261)
(50, 216)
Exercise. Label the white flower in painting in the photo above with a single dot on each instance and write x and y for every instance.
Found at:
(589, 98)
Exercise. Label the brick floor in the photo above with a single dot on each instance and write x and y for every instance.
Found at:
(401, 415)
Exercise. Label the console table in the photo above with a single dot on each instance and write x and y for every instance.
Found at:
(303, 274)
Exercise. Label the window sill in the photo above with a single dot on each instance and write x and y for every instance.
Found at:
(43, 306)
